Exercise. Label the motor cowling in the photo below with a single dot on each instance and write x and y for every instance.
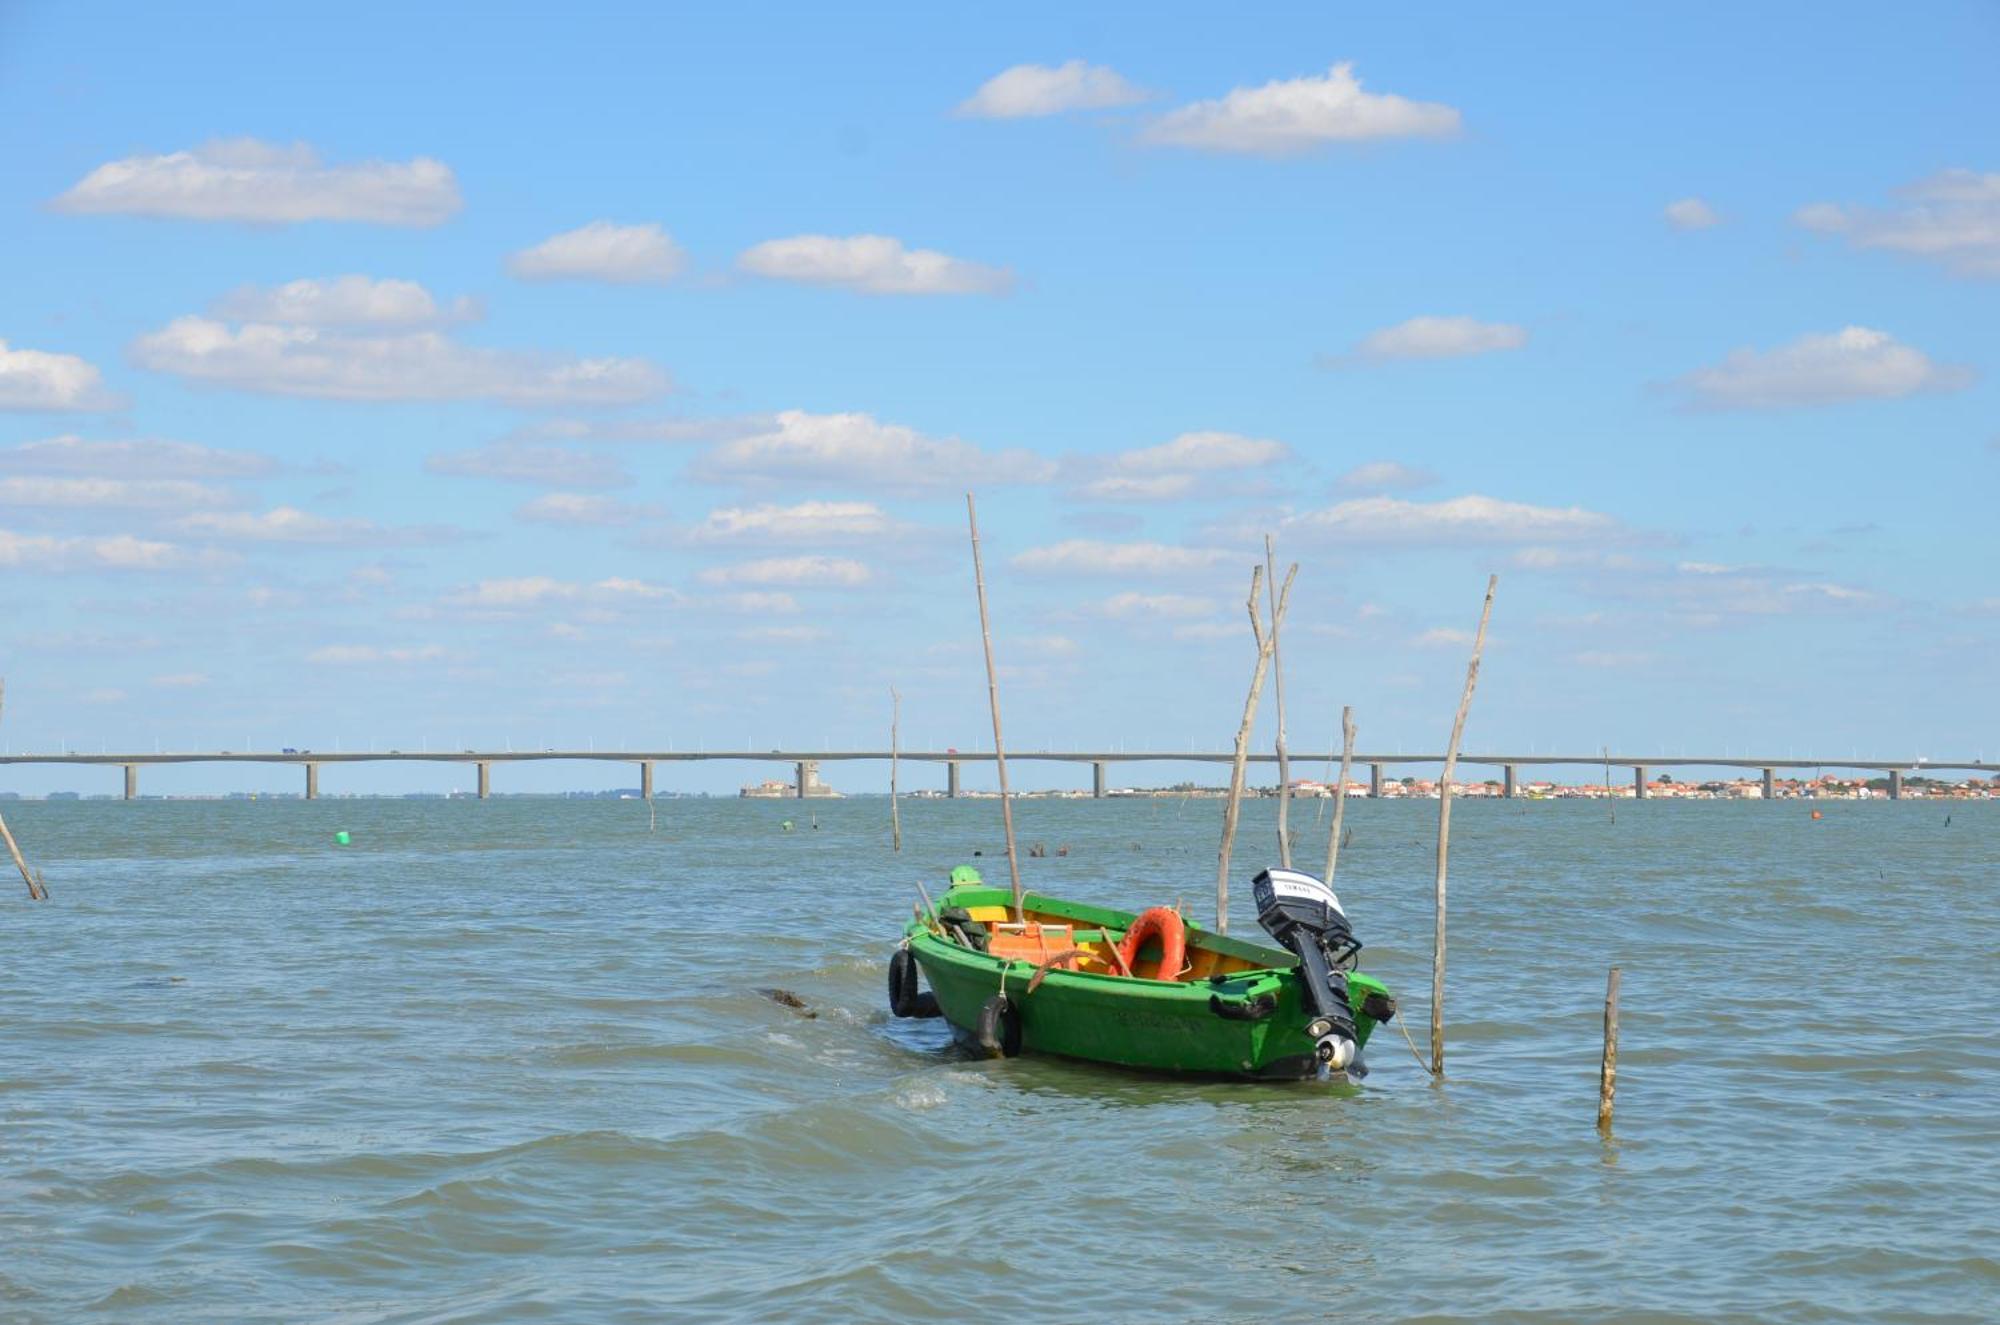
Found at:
(1302, 915)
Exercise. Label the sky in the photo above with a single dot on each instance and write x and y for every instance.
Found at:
(381, 376)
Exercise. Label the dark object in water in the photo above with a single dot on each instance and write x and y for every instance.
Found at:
(786, 998)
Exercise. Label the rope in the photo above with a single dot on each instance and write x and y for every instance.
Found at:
(1403, 1025)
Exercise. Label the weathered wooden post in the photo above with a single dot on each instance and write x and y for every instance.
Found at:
(1233, 805)
(1607, 1072)
(1278, 688)
(1444, 830)
(1340, 790)
(37, 890)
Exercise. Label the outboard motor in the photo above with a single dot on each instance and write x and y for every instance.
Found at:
(1304, 916)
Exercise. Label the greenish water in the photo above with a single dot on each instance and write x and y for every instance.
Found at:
(507, 1061)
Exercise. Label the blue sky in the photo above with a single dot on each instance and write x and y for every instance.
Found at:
(614, 375)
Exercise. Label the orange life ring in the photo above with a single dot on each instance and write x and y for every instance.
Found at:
(1165, 922)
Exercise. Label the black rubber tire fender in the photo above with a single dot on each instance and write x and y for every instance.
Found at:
(903, 994)
(998, 1030)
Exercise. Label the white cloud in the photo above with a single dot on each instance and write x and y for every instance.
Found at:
(348, 655)
(855, 449)
(1037, 89)
(871, 264)
(1952, 217)
(793, 572)
(1130, 605)
(110, 493)
(1470, 519)
(108, 696)
(1079, 556)
(140, 458)
(1288, 116)
(418, 365)
(37, 379)
(1384, 476)
(807, 522)
(265, 183)
(531, 591)
(1691, 214)
(756, 604)
(1438, 637)
(644, 430)
(1140, 487)
(288, 524)
(785, 634)
(343, 301)
(1440, 338)
(602, 251)
(1174, 470)
(112, 552)
(576, 508)
(1856, 363)
(527, 462)
(181, 680)
(1201, 452)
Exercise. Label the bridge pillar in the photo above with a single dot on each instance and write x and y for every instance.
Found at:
(1510, 781)
(646, 779)
(1770, 784)
(1097, 780)
(131, 782)
(1895, 784)
(485, 779)
(312, 782)
(1639, 782)
(1375, 782)
(951, 779)
(803, 773)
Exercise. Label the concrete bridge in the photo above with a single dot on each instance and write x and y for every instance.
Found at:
(806, 763)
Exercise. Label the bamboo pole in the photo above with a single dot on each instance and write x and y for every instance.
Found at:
(993, 703)
(1340, 790)
(1278, 689)
(1607, 1072)
(1233, 806)
(895, 757)
(1444, 831)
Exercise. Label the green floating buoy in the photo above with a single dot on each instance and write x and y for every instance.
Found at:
(341, 838)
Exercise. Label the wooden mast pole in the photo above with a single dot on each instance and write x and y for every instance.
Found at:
(1233, 806)
(1444, 831)
(1278, 689)
(1340, 790)
(993, 703)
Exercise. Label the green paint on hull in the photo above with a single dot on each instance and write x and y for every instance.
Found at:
(1154, 1025)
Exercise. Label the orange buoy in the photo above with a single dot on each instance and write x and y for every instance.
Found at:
(1166, 923)
(1815, 814)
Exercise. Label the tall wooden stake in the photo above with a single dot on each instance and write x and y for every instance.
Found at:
(1340, 790)
(1278, 687)
(895, 756)
(1232, 806)
(37, 890)
(993, 703)
(1444, 831)
(1607, 1073)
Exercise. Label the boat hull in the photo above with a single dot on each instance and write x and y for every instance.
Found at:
(1210, 1027)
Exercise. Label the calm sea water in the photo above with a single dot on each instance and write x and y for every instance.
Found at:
(508, 1061)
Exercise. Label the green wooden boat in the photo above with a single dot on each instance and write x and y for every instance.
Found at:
(1062, 977)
